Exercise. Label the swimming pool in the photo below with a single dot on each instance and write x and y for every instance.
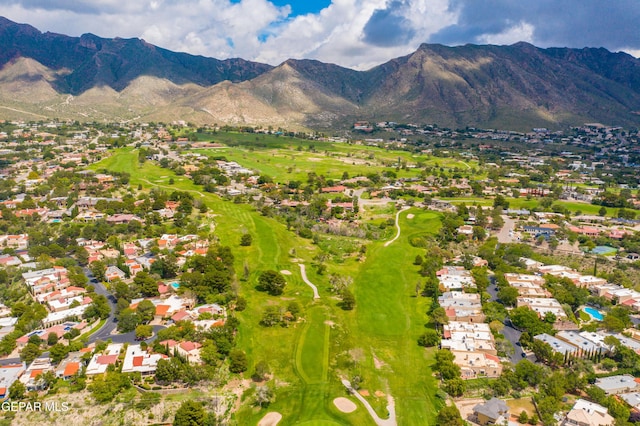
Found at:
(175, 285)
(595, 314)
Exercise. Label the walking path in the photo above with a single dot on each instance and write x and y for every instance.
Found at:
(397, 226)
(391, 407)
(303, 272)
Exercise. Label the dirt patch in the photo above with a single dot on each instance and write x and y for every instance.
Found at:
(271, 419)
(379, 394)
(410, 216)
(378, 364)
(465, 407)
(357, 354)
(363, 392)
(285, 272)
(345, 405)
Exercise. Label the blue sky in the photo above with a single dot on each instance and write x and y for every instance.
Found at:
(353, 33)
(301, 7)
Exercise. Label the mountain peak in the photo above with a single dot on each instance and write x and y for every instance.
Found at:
(518, 86)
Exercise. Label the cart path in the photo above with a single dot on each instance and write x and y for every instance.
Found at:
(303, 272)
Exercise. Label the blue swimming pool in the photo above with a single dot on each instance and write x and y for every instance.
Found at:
(595, 314)
(175, 285)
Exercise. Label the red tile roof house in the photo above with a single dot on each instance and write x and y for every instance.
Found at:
(161, 311)
(99, 364)
(334, 189)
(181, 316)
(191, 351)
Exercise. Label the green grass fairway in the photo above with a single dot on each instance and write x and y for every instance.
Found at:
(312, 348)
(389, 319)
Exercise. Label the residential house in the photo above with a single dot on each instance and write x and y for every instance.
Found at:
(615, 385)
(138, 361)
(492, 412)
(70, 366)
(542, 306)
(477, 364)
(9, 374)
(586, 413)
(101, 361)
(557, 345)
(32, 378)
(114, 273)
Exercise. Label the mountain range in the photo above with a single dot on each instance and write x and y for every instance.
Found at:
(48, 75)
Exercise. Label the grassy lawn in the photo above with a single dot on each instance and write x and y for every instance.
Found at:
(386, 322)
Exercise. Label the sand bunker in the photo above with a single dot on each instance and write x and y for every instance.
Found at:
(271, 419)
(410, 216)
(345, 405)
(285, 272)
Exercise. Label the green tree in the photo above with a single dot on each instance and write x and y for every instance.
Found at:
(52, 339)
(17, 390)
(449, 416)
(455, 387)
(272, 282)
(508, 295)
(237, 361)
(127, 320)
(58, 352)
(246, 240)
(146, 311)
(146, 284)
(30, 352)
(261, 371)
(168, 370)
(429, 338)
(98, 269)
(143, 332)
(271, 316)
(105, 388)
(439, 317)
(523, 418)
(190, 413)
(348, 300)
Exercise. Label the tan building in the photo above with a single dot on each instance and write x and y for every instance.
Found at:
(477, 364)
(585, 413)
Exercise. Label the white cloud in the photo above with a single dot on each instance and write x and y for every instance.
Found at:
(522, 31)
(251, 29)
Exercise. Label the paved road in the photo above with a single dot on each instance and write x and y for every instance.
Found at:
(108, 330)
(504, 235)
(510, 333)
(105, 332)
(303, 272)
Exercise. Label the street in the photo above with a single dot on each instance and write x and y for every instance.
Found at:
(510, 333)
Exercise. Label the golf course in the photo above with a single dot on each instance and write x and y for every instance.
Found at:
(374, 343)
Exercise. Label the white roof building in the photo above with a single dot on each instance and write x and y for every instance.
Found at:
(137, 360)
(586, 413)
